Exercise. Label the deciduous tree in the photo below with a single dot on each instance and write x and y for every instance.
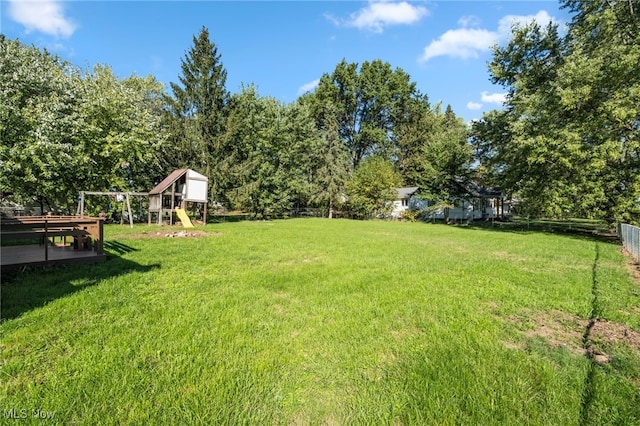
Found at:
(367, 102)
(569, 140)
(433, 150)
(372, 188)
(63, 130)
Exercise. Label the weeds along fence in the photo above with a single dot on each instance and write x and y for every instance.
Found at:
(630, 236)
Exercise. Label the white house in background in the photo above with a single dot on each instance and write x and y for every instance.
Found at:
(480, 203)
(402, 201)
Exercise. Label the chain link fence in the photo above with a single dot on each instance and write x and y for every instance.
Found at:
(630, 236)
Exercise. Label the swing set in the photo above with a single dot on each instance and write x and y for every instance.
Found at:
(124, 197)
(170, 197)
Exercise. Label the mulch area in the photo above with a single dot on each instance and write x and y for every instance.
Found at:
(172, 234)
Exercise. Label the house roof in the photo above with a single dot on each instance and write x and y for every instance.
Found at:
(168, 181)
(407, 192)
(472, 188)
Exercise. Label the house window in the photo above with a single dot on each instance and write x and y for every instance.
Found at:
(405, 202)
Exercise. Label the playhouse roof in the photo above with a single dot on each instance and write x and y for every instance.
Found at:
(174, 176)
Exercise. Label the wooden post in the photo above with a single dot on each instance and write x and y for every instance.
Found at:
(129, 208)
(161, 209)
(97, 232)
(204, 214)
(46, 240)
(173, 203)
(122, 212)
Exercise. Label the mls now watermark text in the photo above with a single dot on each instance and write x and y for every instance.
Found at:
(23, 413)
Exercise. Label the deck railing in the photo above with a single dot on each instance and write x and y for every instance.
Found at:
(84, 234)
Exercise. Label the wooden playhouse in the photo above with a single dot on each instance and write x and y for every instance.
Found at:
(181, 191)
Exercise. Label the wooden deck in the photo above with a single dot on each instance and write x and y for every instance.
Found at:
(62, 239)
(13, 258)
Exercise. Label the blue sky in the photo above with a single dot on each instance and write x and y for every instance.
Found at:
(284, 47)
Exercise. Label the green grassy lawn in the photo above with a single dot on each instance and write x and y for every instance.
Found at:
(314, 321)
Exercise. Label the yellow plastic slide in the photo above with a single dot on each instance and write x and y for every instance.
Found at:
(182, 215)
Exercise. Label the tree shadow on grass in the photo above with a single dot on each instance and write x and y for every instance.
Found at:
(568, 229)
(35, 287)
(222, 218)
(115, 247)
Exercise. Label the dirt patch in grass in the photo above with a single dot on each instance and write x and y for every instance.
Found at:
(171, 234)
(297, 262)
(610, 333)
(561, 329)
(492, 305)
(632, 266)
(511, 257)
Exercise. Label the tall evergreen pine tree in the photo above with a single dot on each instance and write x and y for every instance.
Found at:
(198, 113)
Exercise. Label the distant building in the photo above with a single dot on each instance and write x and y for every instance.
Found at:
(474, 202)
(402, 201)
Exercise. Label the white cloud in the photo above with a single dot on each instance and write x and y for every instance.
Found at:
(493, 98)
(542, 18)
(59, 48)
(462, 43)
(308, 87)
(335, 21)
(467, 42)
(379, 14)
(474, 105)
(46, 16)
(469, 21)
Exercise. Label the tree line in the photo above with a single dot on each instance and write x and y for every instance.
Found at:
(565, 144)
(63, 130)
(364, 131)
